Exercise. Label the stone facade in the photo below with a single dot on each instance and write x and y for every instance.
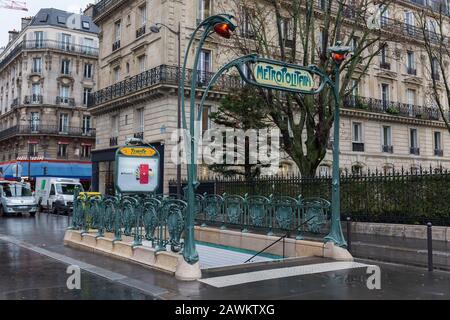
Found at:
(372, 136)
(46, 71)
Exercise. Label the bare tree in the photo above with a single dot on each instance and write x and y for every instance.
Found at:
(301, 32)
(433, 24)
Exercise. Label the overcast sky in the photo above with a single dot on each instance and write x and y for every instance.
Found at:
(11, 19)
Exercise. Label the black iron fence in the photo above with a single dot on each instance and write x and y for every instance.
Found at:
(46, 129)
(404, 196)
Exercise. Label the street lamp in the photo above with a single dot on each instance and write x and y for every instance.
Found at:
(220, 24)
(338, 54)
(156, 29)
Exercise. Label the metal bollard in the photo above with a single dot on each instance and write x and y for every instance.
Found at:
(430, 246)
(349, 234)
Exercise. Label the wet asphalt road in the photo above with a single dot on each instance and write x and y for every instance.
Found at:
(33, 263)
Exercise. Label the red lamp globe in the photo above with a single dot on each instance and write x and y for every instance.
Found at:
(223, 30)
(338, 57)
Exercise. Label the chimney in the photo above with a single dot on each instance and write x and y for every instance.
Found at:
(89, 11)
(13, 35)
(26, 22)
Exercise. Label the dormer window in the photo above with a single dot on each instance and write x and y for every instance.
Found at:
(86, 25)
(61, 19)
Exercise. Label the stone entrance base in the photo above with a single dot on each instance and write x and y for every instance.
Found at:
(164, 260)
(174, 263)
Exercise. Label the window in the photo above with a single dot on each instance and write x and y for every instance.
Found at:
(438, 144)
(357, 169)
(434, 69)
(115, 125)
(63, 123)
(117, 31)
(384, 13)
(37, 65)
(246, 24)
(287, 32)
(88, 70)
(39, 39)
(357, 139)
(61, 19)
(65, 67)
(141, 62)
(204, 66)
(384, 57)
(413, 142)
(86, 25)
(143, 15)
(36, 93)
(411, 97)
(116, 74)
(357, 132)
(86, 151)
(206, 121)
(203, 10)
(140, 120)
(64, 95)
(410, 63)
(324, 171)
(385, 97)
(66, 40)
(34, 123)
(62, 150)
(88, 45)
(387, 139)
(33, 149)
(86, 93)
(409, 22)
(86, 124)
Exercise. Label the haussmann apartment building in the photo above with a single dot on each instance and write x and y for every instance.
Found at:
(137, 95)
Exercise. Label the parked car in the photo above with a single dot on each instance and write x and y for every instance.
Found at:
(56, 194)
(16, 198)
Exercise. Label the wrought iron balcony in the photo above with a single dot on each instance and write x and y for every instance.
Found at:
(103, 6)
(388, 149)
(45, 45)
(33, 99)
(392, 108)
(438, 152)
(116, 45)
(385, 65)
(358, 147)
(411, 71)
(113, 141)
(140, 32)
(38, 129)
(65, 101)
(414, 151)
(163, 74)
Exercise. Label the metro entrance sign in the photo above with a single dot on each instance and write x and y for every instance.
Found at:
(137, 169)
(283, 77)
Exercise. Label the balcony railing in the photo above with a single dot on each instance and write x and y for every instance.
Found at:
(438, 152)
(103, 6)
(414, 151)
(65, 101)
(33, 99)
(140, 32)
(38, 129)
(392, 108)
(411, 71)
(116, 45)
(163, 74)
(114, 141)
(388, 149)
(385, 65)
(358, 147)
(48, 44)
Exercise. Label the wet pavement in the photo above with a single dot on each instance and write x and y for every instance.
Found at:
(33, 262)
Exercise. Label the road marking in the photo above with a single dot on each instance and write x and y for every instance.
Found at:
(101, 272)
(255, 276)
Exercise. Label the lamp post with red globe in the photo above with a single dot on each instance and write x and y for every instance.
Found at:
(223, 26)
(338, 53)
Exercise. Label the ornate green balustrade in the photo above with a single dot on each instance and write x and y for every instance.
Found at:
(159, 219)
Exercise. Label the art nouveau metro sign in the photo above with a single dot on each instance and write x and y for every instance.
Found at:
(283, 77)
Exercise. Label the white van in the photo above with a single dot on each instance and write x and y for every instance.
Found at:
(16, 197)
(56, 194)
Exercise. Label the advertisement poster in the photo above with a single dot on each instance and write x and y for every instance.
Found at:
(137, 170)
